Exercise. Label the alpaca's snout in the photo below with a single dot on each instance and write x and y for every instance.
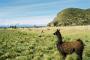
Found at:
(53, 33)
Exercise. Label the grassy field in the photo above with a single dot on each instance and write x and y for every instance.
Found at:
(32, 44)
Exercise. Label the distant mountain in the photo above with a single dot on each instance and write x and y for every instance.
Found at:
(72, 16)
(21, 26)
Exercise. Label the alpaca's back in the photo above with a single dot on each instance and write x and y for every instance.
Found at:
(70, 47)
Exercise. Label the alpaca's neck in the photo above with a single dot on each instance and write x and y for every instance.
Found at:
(59, 37)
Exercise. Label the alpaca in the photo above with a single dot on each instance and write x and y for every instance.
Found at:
(66, 48)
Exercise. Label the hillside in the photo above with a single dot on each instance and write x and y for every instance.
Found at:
(72, 16)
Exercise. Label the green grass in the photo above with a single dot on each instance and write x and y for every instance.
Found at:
(25, 44)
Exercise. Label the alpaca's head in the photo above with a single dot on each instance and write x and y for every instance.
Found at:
(58, 35)
(57, 32)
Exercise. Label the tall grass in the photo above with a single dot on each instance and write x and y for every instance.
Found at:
(32, 44)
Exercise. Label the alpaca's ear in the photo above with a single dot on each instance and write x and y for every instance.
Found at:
(58, 29)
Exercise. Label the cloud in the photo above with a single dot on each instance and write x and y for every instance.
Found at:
(34, 20)
(72, 0)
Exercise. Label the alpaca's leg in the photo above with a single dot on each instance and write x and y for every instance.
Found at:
(64, 57)
(80, 55)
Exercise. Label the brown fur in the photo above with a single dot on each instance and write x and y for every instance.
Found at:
(66, 48)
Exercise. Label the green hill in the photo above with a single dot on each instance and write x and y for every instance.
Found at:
(71, 16)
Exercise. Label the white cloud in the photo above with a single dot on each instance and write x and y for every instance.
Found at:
(36, 20)
(72, 0)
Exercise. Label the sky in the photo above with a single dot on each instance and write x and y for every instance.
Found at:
(35, 12)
